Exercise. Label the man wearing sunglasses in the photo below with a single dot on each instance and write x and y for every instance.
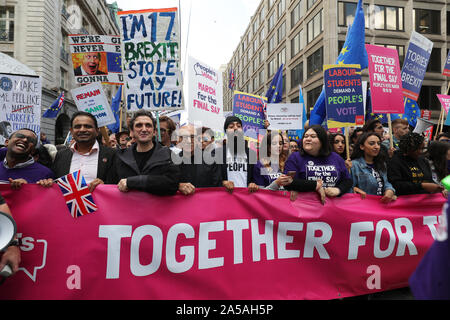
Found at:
(17, 166)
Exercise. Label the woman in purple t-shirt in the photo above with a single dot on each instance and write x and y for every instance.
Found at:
(316, 164)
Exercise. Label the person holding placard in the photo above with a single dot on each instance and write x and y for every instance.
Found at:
(369, 170)
(408, 170)
(315, 164)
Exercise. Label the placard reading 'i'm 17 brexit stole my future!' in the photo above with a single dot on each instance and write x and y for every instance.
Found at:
(151, 61)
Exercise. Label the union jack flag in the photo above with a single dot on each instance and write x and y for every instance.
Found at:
(76, 194)
(231, 79)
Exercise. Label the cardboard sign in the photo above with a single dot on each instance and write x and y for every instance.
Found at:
(250, 109)
(385, 80)
(446, 71)
(150, 52)
(415, 65)
(343, 95)
(92, 99)
(20, 104)
(285, 116)
(205, 95)
(96, 58)
(445, 102)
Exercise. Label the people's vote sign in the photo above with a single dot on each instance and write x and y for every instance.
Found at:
(20, 104)
(385, 80)
(445, 102)
(91, 98)
(415, 65)
(344, 97)
(150, 54)
(96, 58)
(205, 95)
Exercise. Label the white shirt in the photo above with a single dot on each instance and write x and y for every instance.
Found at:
(87, 163)
(237, 168)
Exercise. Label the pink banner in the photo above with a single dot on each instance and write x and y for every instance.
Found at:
(216, 245)
(385, 80)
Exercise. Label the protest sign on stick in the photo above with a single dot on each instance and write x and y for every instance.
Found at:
(285, 116)
(96, 58)
(151, 60)
(344, 98)
(205, 95)
(20, 104)
(250, 109)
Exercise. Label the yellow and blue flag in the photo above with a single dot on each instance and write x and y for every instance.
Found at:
(353, 52)
(115, 107)
(275, 92)
(53, 111)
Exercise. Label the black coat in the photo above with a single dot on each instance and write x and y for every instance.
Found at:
(201, 175)
(159, 175)
(407, 174)
(106, 156)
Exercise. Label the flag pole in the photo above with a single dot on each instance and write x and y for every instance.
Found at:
(121, 111)
(391, 139)
(347, 143)
(158, 127)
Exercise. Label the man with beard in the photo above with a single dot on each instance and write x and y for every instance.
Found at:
(238, 159)
(95, 161)
(17, 165)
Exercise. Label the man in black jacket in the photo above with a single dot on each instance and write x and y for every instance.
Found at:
(195, 173)
(237, 159)
(93, 159)
(147, 165)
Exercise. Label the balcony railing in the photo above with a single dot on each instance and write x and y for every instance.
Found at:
(6, 35)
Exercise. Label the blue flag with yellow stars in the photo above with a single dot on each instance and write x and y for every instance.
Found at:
(275, 92)
(353, 52)
(114, 62)
(53, 111)
(115, 107)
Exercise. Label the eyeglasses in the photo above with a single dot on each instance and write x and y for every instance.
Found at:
(29, 139)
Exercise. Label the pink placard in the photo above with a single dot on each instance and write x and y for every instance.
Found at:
(216, 245)
(445, 101)
(385, 80)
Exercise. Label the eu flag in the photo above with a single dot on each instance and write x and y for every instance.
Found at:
(114, 62)
(353, 52)
(115, 107)
(412, 112)
(53, 111)
(369, 114)
(275, 92)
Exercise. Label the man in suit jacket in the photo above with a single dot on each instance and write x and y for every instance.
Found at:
(94, 160)
(89, 65)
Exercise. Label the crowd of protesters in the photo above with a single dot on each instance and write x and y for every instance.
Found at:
(166, 161)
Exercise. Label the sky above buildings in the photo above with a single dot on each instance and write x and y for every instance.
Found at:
(215, 27)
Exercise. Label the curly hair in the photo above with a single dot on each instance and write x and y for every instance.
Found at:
(410, 142)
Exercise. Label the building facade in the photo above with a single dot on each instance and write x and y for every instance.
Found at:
(306, 34)
(35, 32)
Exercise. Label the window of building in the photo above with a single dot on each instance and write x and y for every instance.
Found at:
(271, 44)
(262, 35)
(271, 67)
(315, 62)
(6, 23)
(297, 13)
(315, 27)
(312, 97)
(346, 13)
(297, 75)
(255, 83)
(448, 22)
(261, 56)
(427, 21)
(282, 57)
(271, 21)
(63, 78)
(389, 18)
(295, 45)
(261, 77)
(281, 32)
(271, 2)
(434, 65)
(281, 7)
(428, 98)
(311, 3)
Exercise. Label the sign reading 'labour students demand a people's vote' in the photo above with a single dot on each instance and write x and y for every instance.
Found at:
(150, 54)
(385, 80)
(250, 109)
(344, 97)
(415, 65)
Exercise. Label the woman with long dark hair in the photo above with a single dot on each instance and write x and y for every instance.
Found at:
(438, 154)
(369, 171)
(315, 163)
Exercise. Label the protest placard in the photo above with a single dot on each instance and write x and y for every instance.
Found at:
(250, 109)
(385, 80)
(91, 98)
(150, 51)
(446, 71)
(205, 95)
(415, 65)
(96, 58)
(20, 104)
(285, 116)
(445, 102)
(344, 97)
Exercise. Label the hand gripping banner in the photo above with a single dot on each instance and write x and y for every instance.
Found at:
(216, 245)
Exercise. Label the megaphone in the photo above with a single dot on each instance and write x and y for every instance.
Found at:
(422, 125)
(8, 229)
